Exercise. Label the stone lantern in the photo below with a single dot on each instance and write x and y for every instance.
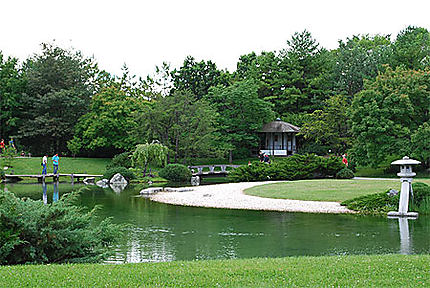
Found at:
(406, 176)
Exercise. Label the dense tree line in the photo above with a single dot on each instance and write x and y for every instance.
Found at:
(369, 96)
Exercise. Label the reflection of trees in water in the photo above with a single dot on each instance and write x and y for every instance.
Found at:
(35, 191)
(161, 232)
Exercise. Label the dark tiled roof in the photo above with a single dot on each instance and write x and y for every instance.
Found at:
(279, 126)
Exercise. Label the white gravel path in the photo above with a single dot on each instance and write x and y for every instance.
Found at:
(230, 196)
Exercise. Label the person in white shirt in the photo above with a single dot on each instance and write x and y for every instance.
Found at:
(44, 164)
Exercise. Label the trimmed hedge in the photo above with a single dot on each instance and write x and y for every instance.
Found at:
(176, 173)
(127, 174)
(295, 167)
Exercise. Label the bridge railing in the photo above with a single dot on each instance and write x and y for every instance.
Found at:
(211, 169)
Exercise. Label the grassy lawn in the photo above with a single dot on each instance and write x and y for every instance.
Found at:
(322, 190)
(327, 271)
(379, 172)
(66, 164)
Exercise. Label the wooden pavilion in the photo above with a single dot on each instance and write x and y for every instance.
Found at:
(278, 138)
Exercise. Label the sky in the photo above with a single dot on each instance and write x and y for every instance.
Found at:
(143, 34)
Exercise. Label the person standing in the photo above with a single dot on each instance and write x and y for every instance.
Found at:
(266, 159)
(12, 144)
(2, 146)
(55, 160)
(44, 164)
(344, 160)
(261, 156)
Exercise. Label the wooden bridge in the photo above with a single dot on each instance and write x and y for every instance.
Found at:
(211, 170)
(41, 178)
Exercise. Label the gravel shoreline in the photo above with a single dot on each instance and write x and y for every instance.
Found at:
(231, 196)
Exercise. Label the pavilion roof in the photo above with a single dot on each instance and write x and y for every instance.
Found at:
(279, 126)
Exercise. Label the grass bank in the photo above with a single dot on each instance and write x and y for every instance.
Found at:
(327, 271)
(66, 165)
(325, 189)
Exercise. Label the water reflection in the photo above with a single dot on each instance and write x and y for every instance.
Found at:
(405, 245)
(160, 232)
(56, 195)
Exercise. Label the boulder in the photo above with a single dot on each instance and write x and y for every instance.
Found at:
(118, 179)
(89, 180)
(392, 192)
(195, 180)
(118, 187)
(104, 183)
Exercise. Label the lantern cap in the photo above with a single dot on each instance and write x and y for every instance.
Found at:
(406, 161)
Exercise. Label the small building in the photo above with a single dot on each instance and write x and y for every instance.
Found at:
(278, 138)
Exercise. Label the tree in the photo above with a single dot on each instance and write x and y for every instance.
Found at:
(198, 77)
(181, 123)
(107, 128)
(420, 141)
(329, 127)
(306, 70)
(161, 82)
(147, 154)
(241, 114)
(12, 85)
(412, 48)
(386, 112)
(59, 86)
(296, 80)
(360, 58)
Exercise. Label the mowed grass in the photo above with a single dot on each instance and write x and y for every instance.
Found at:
(323, 190)
(66, 165)
(327, 271)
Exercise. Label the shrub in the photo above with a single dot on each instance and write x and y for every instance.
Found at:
(31, 232)
(381, 202)
(175, 173)
(295, 167)
(421, 199)
(373, 203)
(255, 172)
(2, 174)
(421, 191)
(345, 173)
(127, 174)
(120, 160)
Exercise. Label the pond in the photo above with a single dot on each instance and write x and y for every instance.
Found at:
(161, 232)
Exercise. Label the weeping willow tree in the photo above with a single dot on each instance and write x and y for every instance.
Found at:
(149, 154)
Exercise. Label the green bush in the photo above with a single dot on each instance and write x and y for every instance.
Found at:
(421, 198)
(120, 160)
(175, 173)
(126, 173)
(373, 203)
(31, 232)
(2, 174)
(255, 172)
(295, 167)
(382, 202)
(345, 173)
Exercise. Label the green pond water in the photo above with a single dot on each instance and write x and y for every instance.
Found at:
(160, 232)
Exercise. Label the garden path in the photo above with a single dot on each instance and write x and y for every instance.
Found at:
(231, 196)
